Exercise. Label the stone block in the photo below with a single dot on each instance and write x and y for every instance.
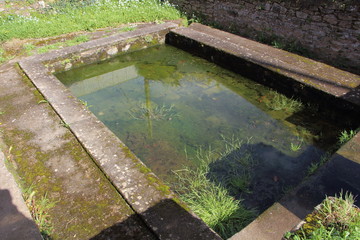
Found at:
(276, 8)
(345, 24)
(267, 6)
(316, 18)
(330, 19)
(301, 15)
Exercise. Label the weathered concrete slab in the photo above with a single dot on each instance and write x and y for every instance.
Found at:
(269, 225)
(49, 158)
(284, 71)
(16, 222)
(158, 207)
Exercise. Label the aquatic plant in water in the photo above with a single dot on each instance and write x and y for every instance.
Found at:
(143, 112)
(211, 201)
(296, 146)
(279, 102)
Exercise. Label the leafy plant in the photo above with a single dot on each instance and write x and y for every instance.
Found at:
(39, 207)
(296, 146)
(85, 103)
(345, 136)
(155, 112)
(42, 101)
(210, 201)
(64, 124)
(314, 166)
(279, 102)
(336, 218)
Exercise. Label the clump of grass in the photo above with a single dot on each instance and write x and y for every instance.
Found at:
(296, 146)
(155, 112)
(4, 56)
(345, 136)
(315, 165)
(39, 207)
(210, 201)
(336, 218)
(279, 102)
(69, 16)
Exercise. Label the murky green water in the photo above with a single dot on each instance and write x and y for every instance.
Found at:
(165, 104)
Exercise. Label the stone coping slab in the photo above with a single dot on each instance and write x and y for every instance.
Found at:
(286, 72)
(55, 172)
(159, 208)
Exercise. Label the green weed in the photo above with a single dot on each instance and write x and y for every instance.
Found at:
(64, 124)
(345, 136)
(39, 207)
(296, 146)
(315, 166)
(312, 168)
(3, 56)
(29, 48)
(279, 102)
(155, 112)
(336, 218)
(42, 101)
(210, 201)
(85, 103)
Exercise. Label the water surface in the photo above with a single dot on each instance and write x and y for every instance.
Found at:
(166, 104)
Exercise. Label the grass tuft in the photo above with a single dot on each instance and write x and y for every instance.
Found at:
(39, 207)
(210, 201)
(345, 136)
(279, 102)
(336, 218)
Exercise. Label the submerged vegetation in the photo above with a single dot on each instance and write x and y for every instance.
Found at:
(296, 146)
(335, 218)
(154, 112)
(279, 102)
(212, 202)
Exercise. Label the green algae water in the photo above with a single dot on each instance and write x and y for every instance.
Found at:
(167, 106)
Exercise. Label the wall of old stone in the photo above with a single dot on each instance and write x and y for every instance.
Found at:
(329, 30)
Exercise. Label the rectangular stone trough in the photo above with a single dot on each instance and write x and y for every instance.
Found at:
(156, 204)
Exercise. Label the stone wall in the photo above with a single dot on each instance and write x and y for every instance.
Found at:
(327, 30)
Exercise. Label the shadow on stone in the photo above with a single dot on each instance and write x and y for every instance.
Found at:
(13, 224)
(339, 174)
(168, 220)
(260, 174)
